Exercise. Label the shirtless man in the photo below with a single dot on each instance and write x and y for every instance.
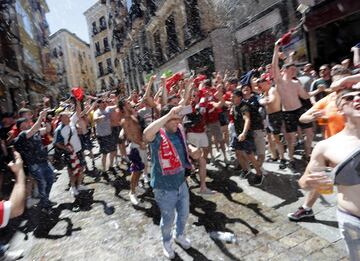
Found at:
(291, 91)
(272, 103)
(333, 151)
(138, 154)
(83, 130)
(115, 118)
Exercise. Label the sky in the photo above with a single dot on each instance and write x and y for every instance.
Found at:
(69, 14)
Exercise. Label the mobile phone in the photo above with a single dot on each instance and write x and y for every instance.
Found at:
(186, 110)
(10, 157)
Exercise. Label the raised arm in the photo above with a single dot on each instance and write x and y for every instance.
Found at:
(356, 58)
(275, 63)
(188, 87)
(345, 82)
(154, 127)
(17, 197)
(36, 127)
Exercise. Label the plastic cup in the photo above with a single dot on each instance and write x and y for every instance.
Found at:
(323, 119)
(326, 188)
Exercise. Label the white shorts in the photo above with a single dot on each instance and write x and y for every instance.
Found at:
(199, 140)
(259, 140)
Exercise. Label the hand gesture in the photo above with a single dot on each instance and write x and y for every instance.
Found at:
(17, 164)
(174, 112)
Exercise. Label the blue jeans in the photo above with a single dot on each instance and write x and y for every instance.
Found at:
(170, 201)
(44, 176)
(350, 231)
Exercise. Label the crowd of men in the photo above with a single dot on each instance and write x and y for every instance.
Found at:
(179, 126)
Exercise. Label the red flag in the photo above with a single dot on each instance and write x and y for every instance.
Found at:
(78, 93)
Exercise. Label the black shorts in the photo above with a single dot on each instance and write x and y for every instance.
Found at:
(85, 140)
(115, 132)
(224, 118)
(276, 121)
(291, 119)
(247, 145)
(106, 144)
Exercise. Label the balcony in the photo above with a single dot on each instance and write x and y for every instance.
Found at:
(107, 49)
(103, 27)
(97, 53)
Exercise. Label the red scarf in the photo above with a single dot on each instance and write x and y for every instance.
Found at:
(169, 158)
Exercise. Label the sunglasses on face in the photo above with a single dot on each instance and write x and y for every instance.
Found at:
(350, 97)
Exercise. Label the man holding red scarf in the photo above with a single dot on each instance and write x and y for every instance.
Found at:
(169, 160)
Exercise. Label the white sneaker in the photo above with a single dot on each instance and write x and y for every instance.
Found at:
(183, 241)
(133, 199)
(218, 155)
(146, 178)
(168, 250)
(30, 202)
(12, 255)
(81, 188)
(73, 191)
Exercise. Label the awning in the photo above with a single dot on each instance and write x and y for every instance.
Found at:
(328, 12)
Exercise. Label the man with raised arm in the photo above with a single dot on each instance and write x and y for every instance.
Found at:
(291, 90)
(169, 159)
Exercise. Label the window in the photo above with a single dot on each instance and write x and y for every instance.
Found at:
(102, 23)
(109, 65)
(173, 45)
(25, 19)
(158, 50)
(94, 29)
(101, 69)
(106, 44)
(97, 49)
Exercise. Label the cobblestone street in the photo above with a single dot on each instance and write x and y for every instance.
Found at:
(108, 227)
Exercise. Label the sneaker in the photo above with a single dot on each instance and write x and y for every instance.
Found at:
(207, 192)
(258, 180)
(12, 255)
(227, 162)
(146, 178)
(217, 155)
(300, 214)
(30, 202)
(133, 199)
(271, 160)
(73, 191)
(184, 242)
(168, 250)
(244, 174)
(81, 188)
(292, 165)
(282, 164)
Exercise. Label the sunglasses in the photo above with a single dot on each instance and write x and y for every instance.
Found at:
(350, 97)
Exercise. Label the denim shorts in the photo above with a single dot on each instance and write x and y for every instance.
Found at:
(349, 226)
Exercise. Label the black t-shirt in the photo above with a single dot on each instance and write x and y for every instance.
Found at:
(315, 86)
(31, 149)
(239, 122)
(255, 116)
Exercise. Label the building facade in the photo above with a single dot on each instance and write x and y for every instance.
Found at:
(153, 36)
(158, 36)
(26, 72)
(102, 52)
(72, 57)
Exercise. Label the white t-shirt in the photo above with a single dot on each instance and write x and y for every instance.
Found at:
(65, 133)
